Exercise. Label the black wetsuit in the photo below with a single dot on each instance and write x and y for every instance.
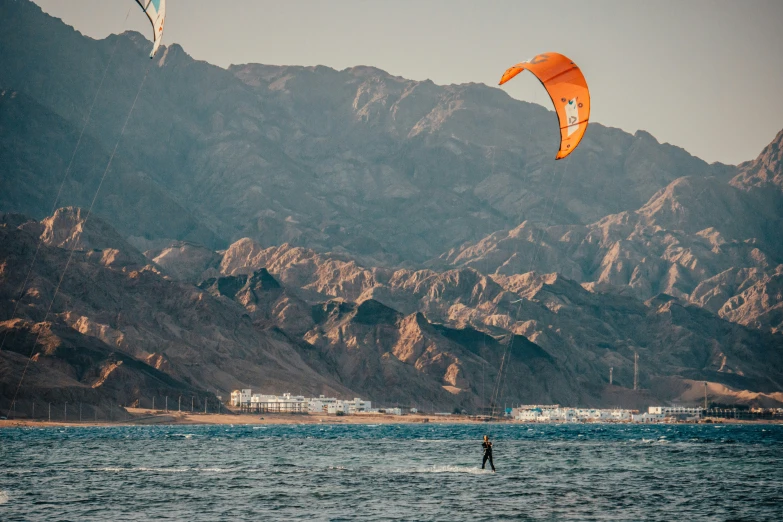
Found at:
(487, 455)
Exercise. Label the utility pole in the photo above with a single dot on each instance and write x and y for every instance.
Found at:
(192, 399)
(179, 404)
(611, 369)
(33, 410)
(635, 371)
(167, 403)
(153, 402)
(80, 412)
(50, 412)
(66, 411)
(206, 399)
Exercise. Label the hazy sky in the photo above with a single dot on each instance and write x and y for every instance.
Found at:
(703, 75)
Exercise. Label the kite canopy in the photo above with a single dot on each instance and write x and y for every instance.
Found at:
(156, 12)
(567, 87)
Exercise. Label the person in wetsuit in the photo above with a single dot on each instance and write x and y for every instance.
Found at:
(487, 445)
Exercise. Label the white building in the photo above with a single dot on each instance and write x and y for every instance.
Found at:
(283, 403)
(357, 405)
(647, 418)
(558, 414)
(298, 403)
(621, 415)
(320, 404)
(240, 397)
(671, 411)
(336, 408)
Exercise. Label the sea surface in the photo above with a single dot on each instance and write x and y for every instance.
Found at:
(392, 472)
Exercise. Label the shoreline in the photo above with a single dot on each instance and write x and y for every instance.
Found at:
(144, 417)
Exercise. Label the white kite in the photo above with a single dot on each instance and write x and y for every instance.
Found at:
(156, 12)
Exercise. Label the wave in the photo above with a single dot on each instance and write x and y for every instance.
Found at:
(447, 469)
(169, 470)
(163, 470)
(661, 440)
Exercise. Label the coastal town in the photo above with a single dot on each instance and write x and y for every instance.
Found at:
(244, 401)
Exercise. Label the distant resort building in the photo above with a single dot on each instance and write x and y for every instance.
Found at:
(239, 397)
(648, 418)
(671, 411)
(680, 413)
(287, 403)
(554, 413)
(558, 414)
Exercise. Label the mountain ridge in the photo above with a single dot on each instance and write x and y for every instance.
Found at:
(354, 232)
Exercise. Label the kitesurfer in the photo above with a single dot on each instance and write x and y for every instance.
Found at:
(487, 445)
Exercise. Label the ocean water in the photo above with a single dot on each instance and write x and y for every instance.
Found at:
(392, 472)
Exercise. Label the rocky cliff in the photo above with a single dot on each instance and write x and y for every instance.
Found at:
(355, 233)
(355, 161)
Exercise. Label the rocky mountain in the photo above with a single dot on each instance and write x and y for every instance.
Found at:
(355, 233)
(266, 328)
(36, 146)
(585, 331)
(174, 327)
(711, 242)
(700, 240)
(69, 367)
(355, 161)
(766, 171)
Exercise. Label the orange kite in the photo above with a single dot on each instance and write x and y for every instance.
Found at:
(567, 87)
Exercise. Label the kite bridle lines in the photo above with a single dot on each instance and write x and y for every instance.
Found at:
(509, 347)
(62, 182)
(78, 236)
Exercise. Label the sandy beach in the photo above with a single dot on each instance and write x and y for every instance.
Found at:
(139, 416)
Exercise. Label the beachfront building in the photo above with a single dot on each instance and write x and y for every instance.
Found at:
(357, 405)
(320, 404)
(648, 418)
(336, 408)
(285, 403)
(288, 403)
(557, 414)
(240, 397)
(333, 406)
(677, 412)
(621, 415)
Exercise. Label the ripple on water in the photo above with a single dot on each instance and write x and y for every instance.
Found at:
(420, 472)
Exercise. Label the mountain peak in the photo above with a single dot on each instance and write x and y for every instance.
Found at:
(644, 135)
(766, 170)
